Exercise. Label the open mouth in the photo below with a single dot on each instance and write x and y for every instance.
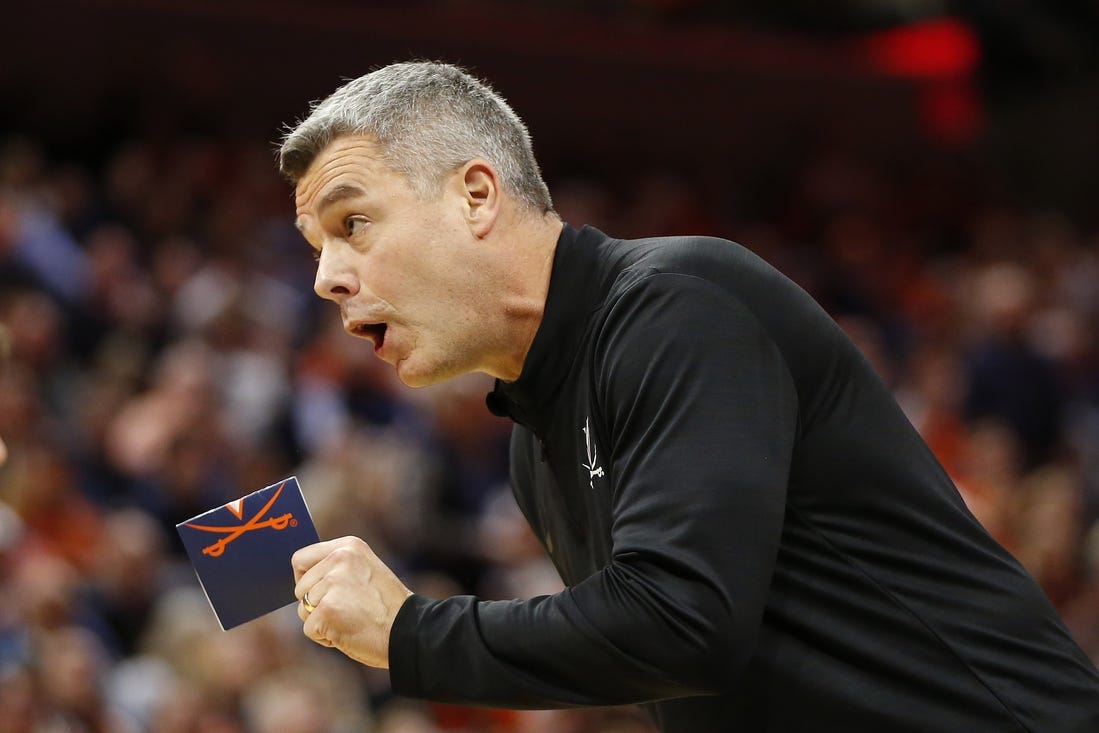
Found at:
(374, 332)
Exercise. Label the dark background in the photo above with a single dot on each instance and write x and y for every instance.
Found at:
(736, 90)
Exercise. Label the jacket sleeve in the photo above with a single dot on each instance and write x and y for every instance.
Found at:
(700, 412)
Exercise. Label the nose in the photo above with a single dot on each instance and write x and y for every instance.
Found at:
(335, 279)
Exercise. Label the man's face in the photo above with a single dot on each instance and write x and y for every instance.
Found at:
(400, 267)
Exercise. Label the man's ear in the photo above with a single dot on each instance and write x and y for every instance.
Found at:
(481, 191)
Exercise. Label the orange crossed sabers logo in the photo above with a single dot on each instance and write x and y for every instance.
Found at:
(232, 533)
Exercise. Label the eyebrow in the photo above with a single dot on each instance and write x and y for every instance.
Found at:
(340, 193)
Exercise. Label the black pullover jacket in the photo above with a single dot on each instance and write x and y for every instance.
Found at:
(753, 535)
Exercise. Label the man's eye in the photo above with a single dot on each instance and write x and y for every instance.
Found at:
(354, 225)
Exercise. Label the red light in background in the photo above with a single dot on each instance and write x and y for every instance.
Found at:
(931, 50)
(940, 56)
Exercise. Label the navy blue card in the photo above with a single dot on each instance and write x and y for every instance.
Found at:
(241, 551)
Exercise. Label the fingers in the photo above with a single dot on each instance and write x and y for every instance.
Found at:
(313, 563)
(315, 628)
(310, 555)
(309, 570)
(312, 620)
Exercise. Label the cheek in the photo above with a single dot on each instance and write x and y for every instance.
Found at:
(428, 273)
(382, 272)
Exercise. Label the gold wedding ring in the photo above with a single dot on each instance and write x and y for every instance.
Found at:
(309, 607)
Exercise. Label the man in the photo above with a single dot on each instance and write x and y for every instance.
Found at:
(753, 536)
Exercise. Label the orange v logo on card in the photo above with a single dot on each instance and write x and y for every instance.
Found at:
(237, 508)
(232, 533)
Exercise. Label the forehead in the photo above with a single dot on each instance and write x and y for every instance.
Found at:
(347, 160)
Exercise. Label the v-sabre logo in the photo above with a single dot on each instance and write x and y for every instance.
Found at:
(232, 533)
(594, 470)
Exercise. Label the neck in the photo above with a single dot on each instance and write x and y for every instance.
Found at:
(530, 248)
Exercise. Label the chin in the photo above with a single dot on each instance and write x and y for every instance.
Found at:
(414, 382)
(424, 375)
(415, 378)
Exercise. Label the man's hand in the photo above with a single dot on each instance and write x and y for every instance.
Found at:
(355, 598)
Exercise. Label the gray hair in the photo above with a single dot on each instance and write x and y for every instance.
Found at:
(428, 119)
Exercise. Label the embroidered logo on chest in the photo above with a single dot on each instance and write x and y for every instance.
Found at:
(593, 467)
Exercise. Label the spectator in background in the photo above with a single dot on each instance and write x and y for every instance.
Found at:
(1008, 379)
(5, 350)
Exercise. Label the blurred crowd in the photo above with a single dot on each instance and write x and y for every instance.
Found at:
(166, 354)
